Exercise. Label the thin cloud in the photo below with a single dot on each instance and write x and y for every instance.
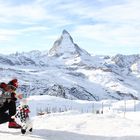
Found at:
(37, 11)
(113, 25)
(110, 23)
(9, 34)
(6, 34)
(124, 35)
(33, 12)
(119, 13)
(34, 29)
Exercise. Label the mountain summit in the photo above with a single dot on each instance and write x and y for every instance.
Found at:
(66, 46)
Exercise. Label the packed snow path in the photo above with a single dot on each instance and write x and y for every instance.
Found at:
(76, 126)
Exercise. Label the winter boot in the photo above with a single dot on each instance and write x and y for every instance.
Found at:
(14, 125)
(23, 131)
(31, 129)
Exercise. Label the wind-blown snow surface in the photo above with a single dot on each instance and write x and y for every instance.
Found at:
(77, 124)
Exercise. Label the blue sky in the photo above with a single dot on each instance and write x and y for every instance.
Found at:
(104, 27)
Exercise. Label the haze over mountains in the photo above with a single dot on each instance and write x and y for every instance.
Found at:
(68, 71)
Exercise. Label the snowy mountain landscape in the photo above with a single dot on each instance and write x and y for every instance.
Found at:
(74, 95)
(68, 71)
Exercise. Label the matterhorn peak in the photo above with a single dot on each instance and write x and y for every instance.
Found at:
(65, 32)
(65, 46)
(66, 36)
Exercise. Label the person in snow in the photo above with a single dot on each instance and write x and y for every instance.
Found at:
(8, 99)
(23, 115)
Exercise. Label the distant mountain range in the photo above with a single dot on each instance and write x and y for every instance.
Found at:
(69, 71)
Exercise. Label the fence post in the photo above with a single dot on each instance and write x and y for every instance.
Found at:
(124, 107)
(102, 108)
(134, 105)
(93, 108)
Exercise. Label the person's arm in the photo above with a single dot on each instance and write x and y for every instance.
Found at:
(18, 96)
(16, 115)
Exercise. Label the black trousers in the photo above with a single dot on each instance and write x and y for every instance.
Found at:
(6, 111)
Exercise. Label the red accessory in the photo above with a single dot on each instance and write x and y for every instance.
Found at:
(27, 111)
(13, 125)
(14, 82)
(3, 85)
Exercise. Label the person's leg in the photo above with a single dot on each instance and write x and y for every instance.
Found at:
(12, 109)
(12, 112)
(4, 117)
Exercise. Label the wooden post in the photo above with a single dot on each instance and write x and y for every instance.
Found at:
(124, 107)
(102, 108)
(134, 105)
(93, 108)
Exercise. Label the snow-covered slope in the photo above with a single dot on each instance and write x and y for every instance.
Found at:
(77, 123)
(71, 72)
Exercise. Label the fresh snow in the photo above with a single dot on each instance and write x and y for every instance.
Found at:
(78, 120)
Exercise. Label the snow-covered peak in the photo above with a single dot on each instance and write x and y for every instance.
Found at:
(65, 46)
(65, 34)
(125, 60)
